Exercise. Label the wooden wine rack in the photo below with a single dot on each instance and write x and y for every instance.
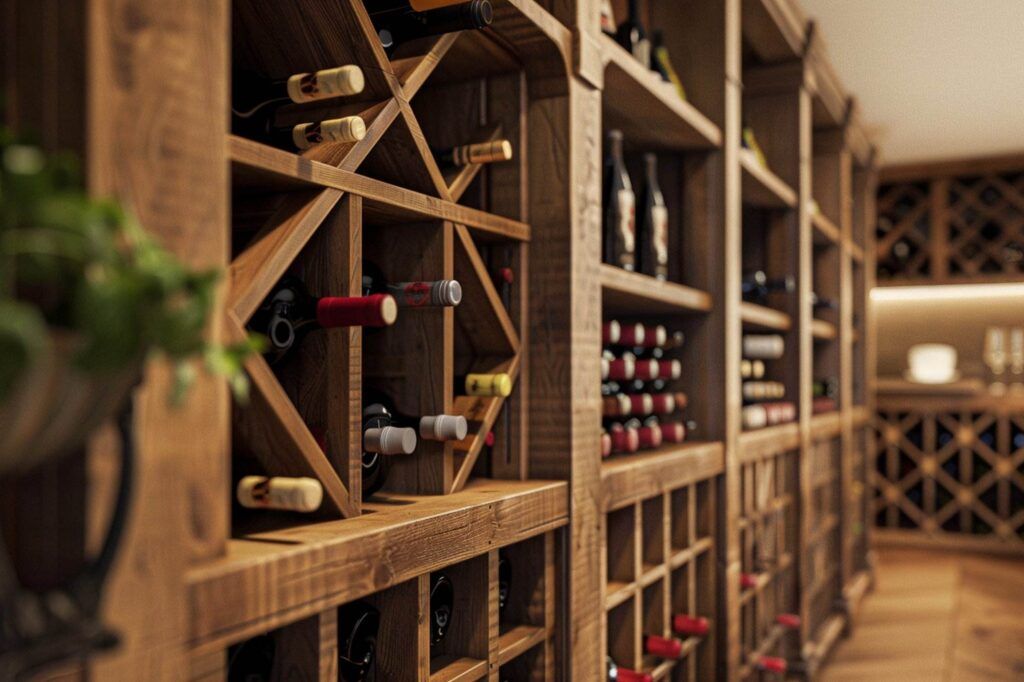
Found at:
(955, 222)
(949, 471)
(611, 548)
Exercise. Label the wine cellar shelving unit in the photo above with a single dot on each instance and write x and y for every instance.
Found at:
(604, 551)
(953, 222)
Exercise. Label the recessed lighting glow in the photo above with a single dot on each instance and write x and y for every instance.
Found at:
(947, 292)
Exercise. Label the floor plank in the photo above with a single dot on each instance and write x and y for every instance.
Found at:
(937, 616)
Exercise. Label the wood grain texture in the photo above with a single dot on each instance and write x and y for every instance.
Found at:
(272, 578)
(936, 616)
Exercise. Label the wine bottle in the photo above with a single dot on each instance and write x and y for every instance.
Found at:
(616, 673)
(823, 404)
(358, 624)
(442, 292)
(252, 660)
(757, 286)
(251, 92)
(631, 35)
(617, 369)
(662, 647)
(504, 580)
(751, 369)
(262, 126)
(675, 431)
(442, 604)
(828, 388)
(662, 63)
(289, 312)
(378, 8)
(790, 621)
(382, 438)
(749, 581)
(397, 27)
(619, 207)
(690, 626)
(649, 436)
(652, 226)
(763, 346)
(819, 303)
(280, 493)
(771, 664)
(763, 390)
(496, 384)
(439, 427)
(749, 142)
(623, 439)
(767, 414)
(493, 151)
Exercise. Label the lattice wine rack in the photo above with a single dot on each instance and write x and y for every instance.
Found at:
(321, 215)
(955, 226)
(768, 550)
(404, 214)
(951, 474)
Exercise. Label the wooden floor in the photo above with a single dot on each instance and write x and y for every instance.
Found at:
(937, 616)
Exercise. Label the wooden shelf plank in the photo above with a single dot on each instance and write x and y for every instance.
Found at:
(518, 640)
(617, 593)
(771, 440)
(856, 252)
(268, 579)
(775, 29)
(823, 330)
(412, 72)
(764, 318)
(274, 169)
(628, 478)
(859, 415)
(464, 669)
(625, 292)
(826, 425)
(647, 109)
(826, 232)
(763, 188)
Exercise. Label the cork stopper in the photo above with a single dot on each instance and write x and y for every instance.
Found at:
(499, 384)
(443, 427)
(389, 440)
(286, 494)
(337, 82)
(611, 332)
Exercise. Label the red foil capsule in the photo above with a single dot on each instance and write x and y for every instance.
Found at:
(620, 369)
(625, 440)
(663, 647)
(646, 370)
(489, 439)
(748, 581)
(641, 403)
(627, 675)
(663, 403)
(788, 620)
(690, 626)
(611, 333)
(632, 335)
(673, 432)
(670, 369)
(377, 310)
(650, 436)
(772, 664)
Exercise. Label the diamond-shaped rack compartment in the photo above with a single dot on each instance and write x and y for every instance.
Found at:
(320, 214)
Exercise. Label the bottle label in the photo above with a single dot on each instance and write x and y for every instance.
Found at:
(625, 235)
(659, 238)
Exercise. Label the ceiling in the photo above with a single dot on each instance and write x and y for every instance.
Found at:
(935, 79)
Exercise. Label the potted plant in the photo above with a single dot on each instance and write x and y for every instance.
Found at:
(86, 297)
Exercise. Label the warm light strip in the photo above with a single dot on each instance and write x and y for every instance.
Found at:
(947, 292)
